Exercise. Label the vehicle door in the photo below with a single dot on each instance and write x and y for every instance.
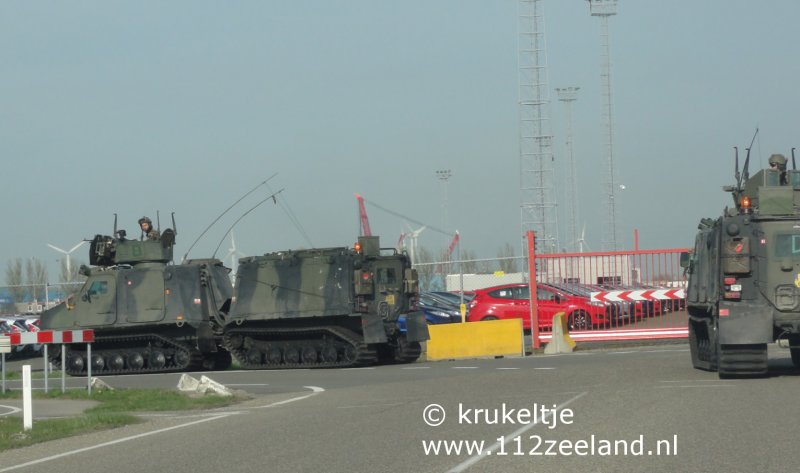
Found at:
(550, 303)
(389, 295)
(96, 303)
(144, 295)
(520, 305)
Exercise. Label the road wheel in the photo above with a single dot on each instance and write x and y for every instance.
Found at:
(578, 320)
(489, 317)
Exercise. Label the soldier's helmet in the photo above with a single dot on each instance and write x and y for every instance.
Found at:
(150, 222)
(778, 160)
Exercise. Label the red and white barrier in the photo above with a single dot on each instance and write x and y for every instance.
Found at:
(51, 336)
(632, 334)
(48, 337)
(638, 295)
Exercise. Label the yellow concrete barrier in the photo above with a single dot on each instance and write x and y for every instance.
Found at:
(476, 339)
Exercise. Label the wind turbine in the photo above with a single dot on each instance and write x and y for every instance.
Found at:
(234, 255)
(582, 240)
(413, 238)
(69, 267)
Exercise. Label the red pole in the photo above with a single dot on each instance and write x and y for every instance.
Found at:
(532, 284)
(636, 239)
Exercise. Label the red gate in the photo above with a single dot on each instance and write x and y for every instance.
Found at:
(616, 295)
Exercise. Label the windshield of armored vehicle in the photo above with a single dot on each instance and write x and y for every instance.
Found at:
(787, 245)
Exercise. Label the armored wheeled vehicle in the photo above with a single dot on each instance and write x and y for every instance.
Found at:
(148, 315)
(330, 307)
(744, 274)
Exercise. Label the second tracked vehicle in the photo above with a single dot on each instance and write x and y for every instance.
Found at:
(330, 307)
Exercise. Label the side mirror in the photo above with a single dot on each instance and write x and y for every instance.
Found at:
(686, 260)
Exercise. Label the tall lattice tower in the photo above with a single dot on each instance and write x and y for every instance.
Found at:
(568, 95)
(604, 9)
(537, 198)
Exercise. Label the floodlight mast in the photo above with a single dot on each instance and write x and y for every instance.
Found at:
(604, 9)
(568, 95)
(538, 205)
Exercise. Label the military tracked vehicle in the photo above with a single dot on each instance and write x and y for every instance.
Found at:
(331, 307)
(148, 315)
(744, 274)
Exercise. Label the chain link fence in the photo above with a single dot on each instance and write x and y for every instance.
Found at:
(33, 299)
(468, 275)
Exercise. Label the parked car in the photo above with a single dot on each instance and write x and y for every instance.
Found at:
(513, 301)
(619, 312)
(638, 309)
(9, 327)
(437, 310)
(454, 297)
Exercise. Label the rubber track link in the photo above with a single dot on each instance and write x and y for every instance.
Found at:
(743, 361)
(702, 347)
(282, 337)
(192, 359)
(409, 353)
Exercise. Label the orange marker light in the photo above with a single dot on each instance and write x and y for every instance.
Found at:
(357, 247)
(745, 202)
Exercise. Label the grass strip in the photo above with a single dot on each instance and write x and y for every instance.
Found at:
(113, 410)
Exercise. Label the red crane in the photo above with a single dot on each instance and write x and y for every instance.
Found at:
(362, 214)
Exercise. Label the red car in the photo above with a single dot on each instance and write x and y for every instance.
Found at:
(513, 301)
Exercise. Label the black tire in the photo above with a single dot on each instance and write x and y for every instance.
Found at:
(579, 320)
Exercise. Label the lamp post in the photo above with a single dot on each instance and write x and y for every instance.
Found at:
(444, 176)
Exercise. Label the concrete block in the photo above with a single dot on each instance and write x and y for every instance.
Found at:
(100, 385)
(561, 341)
(209, 385)
(188, 383)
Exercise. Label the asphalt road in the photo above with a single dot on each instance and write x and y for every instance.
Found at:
(590, 411)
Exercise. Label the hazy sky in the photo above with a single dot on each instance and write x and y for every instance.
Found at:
(183, 106)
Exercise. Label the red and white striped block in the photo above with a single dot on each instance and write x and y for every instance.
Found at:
(631, 334)
(638, 295)
(51, 336)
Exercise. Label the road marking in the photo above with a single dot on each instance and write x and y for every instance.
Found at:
(362, 406)
(12, 410)
(113, 442)
(544, 368)
(695, 381)
(698, 386)
(489, 451)
(316, 390)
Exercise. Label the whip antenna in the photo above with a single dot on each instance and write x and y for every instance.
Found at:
(223, 213)
(274, 201)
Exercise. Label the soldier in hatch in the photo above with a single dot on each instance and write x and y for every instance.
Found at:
(777, 162)
(147, 229)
